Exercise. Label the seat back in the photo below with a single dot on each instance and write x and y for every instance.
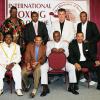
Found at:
(57, 61)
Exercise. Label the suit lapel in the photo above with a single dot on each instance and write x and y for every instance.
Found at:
(87, 28)
(77, 49)
(32, 28)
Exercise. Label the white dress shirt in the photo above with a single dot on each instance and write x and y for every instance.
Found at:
(35, 25)
(82, 57)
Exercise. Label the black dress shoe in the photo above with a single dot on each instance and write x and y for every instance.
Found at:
(73, 91)
(45, 92)
(27, 88)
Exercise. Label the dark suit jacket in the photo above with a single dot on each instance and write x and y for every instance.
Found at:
(92, 34)
(29, 32)
(30, 53)
(74, 53)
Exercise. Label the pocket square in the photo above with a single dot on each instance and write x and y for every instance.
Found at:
(86, 50)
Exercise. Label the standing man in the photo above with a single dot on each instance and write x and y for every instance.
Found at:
(34, 28)
(65, 27)
(10, 57)
(57, 45)
(14, 26)
(90, 31)
(81, 55)
(35, 56)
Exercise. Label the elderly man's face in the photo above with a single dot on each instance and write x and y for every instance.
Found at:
(56, 36)
(8, 39)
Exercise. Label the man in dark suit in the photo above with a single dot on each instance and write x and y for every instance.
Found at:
(34, 28)
(90, 30)
(81, 55)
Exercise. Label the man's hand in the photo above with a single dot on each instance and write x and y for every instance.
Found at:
(28, 67)
(54, 50)
(61, 50)
(97, 63)
(10, 66)
(34, 65)
(77, 66)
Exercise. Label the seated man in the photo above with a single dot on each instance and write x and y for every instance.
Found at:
(57, 46)
(10, 57)
(35, 56)
(80, 55)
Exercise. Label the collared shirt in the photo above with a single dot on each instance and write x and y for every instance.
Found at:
(57, 44)
(82, 57)
(36, 53)
(35, 27)
(84, 26)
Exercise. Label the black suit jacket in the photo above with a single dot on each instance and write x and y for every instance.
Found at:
(74, 53)
(29, 32)
(92, 34)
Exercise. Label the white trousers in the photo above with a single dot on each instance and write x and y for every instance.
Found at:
(70, 68)
(16, 73)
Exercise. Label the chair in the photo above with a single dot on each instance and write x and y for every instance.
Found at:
(87, 72)
(57, 62)
(8, 74)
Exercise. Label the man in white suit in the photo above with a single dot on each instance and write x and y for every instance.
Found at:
(65, 27)
(10, 57)
(58, 46)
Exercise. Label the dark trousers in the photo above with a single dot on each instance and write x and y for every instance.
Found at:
(85, 64)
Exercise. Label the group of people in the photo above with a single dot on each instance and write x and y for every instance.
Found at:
(33, 41)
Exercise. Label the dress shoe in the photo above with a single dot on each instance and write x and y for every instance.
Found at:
(45, 90)
(72, 88)
(19, 92)
(1, 92)
(32, 95)
(44, 93)
(73, 91)
(27, 88)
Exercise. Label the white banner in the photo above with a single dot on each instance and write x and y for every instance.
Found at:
(47, 9)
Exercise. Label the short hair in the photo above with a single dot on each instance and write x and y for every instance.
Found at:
(8, 34)
(34, 12)
(62, 10)
(56, 32)
(13, 7)
(83, 12)
(38, 36)
(79, 33)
